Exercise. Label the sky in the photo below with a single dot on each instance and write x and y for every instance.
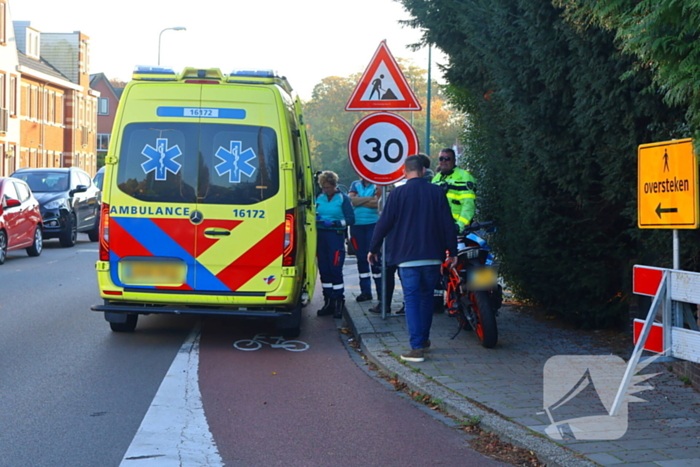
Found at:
(304, 40)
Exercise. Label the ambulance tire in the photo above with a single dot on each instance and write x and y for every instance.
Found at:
(289, 327)
(128, 326)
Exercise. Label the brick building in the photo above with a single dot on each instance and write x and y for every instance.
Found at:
(9, 89)
(57, 109)
(106, 110)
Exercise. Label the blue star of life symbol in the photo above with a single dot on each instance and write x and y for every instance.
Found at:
(161, 159)
(235, 162)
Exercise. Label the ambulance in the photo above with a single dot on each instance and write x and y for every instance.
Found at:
(208, 200)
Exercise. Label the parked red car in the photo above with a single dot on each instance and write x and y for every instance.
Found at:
(20, 219)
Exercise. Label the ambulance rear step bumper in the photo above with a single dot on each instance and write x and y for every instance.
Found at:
(166, 309)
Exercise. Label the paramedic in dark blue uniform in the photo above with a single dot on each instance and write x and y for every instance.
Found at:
(334, 213)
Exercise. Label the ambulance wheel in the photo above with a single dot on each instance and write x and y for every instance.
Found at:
(128, 326)
(290, 326)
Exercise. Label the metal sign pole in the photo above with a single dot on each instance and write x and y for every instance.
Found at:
(676, 250)
(383, 302)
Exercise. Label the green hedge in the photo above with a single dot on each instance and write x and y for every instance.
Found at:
(552, 140)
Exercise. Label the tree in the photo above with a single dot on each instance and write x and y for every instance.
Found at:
(330, 126)
(551, 136)
(663, 37)
(117, 83)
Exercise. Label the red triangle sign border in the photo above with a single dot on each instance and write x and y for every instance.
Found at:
(383, 55)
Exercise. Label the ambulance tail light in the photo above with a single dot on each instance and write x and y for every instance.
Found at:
(290, 251)
(104, 233)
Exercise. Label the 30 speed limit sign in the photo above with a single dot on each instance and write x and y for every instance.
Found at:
(378, 146)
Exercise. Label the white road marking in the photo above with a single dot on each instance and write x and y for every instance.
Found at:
(175, 431)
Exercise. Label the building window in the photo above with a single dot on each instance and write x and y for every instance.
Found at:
(35, 102)
(45, 105)
(30, 101)
(3, 100)
(3, 21)
(59, 109)
(13, 95)
(103, 141)
(103, 106)
(51, 113)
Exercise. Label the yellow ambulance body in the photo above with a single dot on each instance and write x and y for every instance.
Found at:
(207, 200)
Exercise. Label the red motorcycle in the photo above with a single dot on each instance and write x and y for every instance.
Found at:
(472, 292)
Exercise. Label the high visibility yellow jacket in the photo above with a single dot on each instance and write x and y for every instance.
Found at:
(460, 189)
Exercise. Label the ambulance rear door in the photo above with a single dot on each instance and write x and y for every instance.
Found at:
(153, 199)
(240, 198)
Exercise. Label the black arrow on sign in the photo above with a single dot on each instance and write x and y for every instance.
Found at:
(660, 211)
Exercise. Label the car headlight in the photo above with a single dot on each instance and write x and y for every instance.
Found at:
(56, 204)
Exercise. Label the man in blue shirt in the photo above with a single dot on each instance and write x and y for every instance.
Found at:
(419, 230)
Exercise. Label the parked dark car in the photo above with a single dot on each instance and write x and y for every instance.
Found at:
(20, 219)
(99, 177)
(69, 202)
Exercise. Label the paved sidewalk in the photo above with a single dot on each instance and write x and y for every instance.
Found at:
(504, 385)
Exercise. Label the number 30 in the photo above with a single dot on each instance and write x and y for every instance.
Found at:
(377, 149)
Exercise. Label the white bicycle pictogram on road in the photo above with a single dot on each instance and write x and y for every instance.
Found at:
(248, 345)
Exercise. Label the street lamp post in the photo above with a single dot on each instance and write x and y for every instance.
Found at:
(177, 28)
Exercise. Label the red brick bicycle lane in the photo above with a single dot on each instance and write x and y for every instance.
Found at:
(312, 408)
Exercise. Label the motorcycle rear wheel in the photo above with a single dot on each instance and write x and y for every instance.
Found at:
(486, 328)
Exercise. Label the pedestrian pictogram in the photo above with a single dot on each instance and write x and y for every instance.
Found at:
(667, 186)
(378, 146)
(383, 86)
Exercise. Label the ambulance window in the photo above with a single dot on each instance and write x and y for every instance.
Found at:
(239, 164)
(158, 161)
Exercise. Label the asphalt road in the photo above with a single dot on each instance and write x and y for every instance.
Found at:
(273, 407)
(72, 393)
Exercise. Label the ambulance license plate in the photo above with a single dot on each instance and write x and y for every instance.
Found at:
(166, 273)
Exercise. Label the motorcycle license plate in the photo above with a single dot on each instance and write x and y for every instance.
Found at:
(165, 273)
(482, 279)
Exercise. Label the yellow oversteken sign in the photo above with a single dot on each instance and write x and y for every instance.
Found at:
(667, 195)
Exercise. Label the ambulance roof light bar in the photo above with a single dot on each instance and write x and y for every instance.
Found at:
(154, 73)
(202, 75)
(262, 76)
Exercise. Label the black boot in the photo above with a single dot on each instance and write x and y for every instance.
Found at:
(338, 308)
(327, 308)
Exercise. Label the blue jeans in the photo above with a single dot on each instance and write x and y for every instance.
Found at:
(418, 285)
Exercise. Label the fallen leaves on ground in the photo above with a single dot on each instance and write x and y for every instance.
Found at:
(490, 445)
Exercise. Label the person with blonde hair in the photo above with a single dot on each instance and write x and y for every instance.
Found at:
(334, 213)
